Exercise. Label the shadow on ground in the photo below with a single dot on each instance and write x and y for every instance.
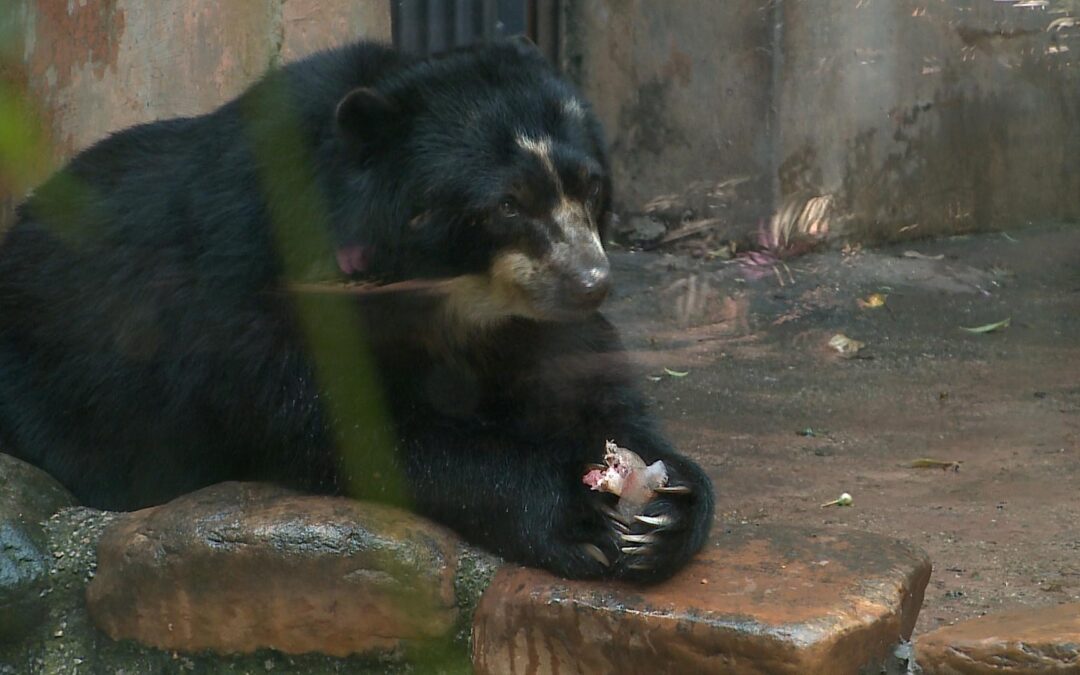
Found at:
(782, 423)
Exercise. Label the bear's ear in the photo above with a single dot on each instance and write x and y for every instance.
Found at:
(523, 43)
(364, 114)
(524, 46)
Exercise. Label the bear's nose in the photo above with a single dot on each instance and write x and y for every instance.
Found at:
(590, 286)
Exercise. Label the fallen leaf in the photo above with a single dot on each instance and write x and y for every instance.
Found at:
(676, 373)
(872, 301)
(989, 327)
(845, 345)
(927, 463)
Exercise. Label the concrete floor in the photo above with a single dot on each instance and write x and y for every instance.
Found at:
(1004, 530)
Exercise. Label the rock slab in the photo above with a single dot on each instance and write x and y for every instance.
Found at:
(759, 600)
(239, 567)
(28, 496)
(1017, 642)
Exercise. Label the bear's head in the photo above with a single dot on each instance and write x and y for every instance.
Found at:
(485, 169)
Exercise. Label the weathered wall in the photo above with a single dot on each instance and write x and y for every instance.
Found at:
(931, 117)
(683, 91)
(916, 117)
(89, 67)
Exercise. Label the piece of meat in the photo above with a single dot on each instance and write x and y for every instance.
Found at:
(627, 477)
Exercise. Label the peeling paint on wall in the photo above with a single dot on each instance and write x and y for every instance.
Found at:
(914, 118)
(69, 35)
(683, 91)
(94, 67)
(930, 119)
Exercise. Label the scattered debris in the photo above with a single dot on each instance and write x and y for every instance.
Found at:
(756, 264)
(872, 301)
(689, 229)
(943, 464)
(800, 215)
(640, 230)
(798, 226)
(725, 252)
(1062, 23)
(843, 500)
(846, 346)
(989, 327)
(923, 256)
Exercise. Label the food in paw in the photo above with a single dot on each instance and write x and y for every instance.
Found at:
(628, 477)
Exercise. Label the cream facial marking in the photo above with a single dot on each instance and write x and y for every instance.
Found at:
(541, 147)
(478, 301)
(575, 222)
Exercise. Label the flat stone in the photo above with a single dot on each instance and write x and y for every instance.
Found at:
(239, 567)
(1016, 642)
(641, 229)
(765, 599)
(28, 496)
(28, 493)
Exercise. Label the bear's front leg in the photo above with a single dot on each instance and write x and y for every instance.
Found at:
(655, 543)
(528, 503)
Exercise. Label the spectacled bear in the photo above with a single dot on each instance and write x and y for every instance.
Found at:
(159, 331)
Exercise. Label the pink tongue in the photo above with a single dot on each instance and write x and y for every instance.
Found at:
(353, 259)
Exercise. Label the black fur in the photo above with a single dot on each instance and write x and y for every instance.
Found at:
(149, 344)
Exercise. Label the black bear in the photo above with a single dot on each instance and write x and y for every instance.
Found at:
(159, 331)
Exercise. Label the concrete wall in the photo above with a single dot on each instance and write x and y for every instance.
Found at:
(683, 89)
(916, 117)
(89, 67)
(931, 116)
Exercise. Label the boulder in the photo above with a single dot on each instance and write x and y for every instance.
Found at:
(28, 496)
(766, 599)
(1016, 642)
(239, 567)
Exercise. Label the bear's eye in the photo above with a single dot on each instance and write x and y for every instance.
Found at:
(594, 191)
(508, 207)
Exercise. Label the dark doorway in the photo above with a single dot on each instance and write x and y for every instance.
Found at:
(429, 26)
